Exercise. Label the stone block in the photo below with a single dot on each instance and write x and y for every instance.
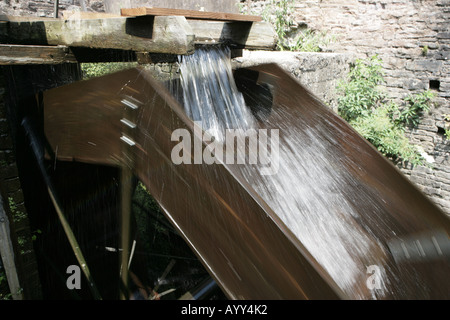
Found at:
(415, 84)
(443, 35)
(424, 65)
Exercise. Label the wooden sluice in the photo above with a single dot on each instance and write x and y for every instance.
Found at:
(240, 239)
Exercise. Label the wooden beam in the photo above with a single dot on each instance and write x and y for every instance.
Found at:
(249, 35)
(154, 34)
(5, 17)
(74, 15)
(191, 14)
(23, 54)
(231, 6)
(7, 255)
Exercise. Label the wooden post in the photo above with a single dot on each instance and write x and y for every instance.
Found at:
(56, 8)
(126, 194)
(7, 254)
(128, 122)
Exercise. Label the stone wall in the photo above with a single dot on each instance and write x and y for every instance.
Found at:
(319, 72)
(412, 37)
(46, 8)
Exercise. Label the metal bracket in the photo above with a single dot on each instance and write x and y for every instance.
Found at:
(129, 126)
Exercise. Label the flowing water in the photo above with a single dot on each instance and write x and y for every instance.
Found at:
(336, 217)
(210, 94)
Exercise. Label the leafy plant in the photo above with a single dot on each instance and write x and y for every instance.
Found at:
(17, 215)
(414, 108)
(311, 41)
(447, 127)
(4, 295)
(382, 122)
(389, 138)
(280, 14)
(360, 91)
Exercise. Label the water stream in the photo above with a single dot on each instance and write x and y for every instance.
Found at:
(210, 94)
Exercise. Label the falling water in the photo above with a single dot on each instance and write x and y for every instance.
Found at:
(314, 193)
(210, 94)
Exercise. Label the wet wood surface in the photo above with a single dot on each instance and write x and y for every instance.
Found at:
(241, 240)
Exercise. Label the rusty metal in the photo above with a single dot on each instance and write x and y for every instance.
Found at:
(242, 242)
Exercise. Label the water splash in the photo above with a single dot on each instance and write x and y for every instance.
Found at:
(307, 192)
(316, 199)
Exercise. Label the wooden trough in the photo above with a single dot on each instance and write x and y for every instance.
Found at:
(240, 238)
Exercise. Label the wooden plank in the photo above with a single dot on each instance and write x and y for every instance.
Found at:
(74, 15)
(23, 54)
(230, 6)
(191, 14)
(154, 34)
(249, 35)
(4, 17)
(7, 255)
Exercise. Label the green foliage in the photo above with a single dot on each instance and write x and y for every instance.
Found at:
(150, 226)
(415, 106)
(360, 91)
(280, 13)
(4, 287)
(311, 41)
(35, 234)
(382, 122)
(447, 128)
(92, 70)
(379, 129)
(17, 215)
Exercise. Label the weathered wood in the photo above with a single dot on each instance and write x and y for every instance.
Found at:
(192, 14)
(249, 35)
(7, 255)
(4, 17)
(229, 6)
(153, 34)
(22, 54)
(74, 15)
